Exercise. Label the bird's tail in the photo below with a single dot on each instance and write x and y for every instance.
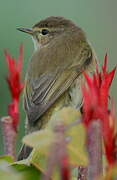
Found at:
(24, 152)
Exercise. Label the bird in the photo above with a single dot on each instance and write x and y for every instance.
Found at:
(54, 75)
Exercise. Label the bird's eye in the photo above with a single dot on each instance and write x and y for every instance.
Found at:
(45, 31)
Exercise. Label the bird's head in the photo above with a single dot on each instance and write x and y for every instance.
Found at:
(49, 29)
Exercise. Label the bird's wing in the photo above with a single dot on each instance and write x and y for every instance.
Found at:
(49, 87)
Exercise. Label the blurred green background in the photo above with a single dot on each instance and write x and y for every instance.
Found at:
(98, 18)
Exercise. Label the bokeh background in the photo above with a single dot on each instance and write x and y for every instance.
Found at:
(98, 18)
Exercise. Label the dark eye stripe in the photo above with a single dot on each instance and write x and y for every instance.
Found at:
(45, 31)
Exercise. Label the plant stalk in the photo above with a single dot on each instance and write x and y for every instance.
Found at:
(94, 148)
(9, 136)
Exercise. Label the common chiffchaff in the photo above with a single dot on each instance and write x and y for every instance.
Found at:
(54, 75)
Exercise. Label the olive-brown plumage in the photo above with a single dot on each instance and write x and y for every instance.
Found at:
(54, 74)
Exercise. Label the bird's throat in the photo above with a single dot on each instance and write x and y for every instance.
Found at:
(37, 45)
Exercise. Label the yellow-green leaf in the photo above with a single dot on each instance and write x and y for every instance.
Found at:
(7, 158)
(66, 116)
(39, 138)
(76, 146)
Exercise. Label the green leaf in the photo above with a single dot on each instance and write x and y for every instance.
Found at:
(29, 172)
(7, 158)
(39, 138)
(40, 160)
(10, 176)
(7, 172)
(76, 146)
(5, 162)
(65, 116)
(20, 170)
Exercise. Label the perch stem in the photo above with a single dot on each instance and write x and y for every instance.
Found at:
(9, 135)
(94, 147)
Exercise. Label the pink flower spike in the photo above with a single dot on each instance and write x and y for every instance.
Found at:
(15, 84)
(95, 107)
(104, 67)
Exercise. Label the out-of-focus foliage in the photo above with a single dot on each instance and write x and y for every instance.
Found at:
(111, 174)
(17, 171)
(42, 140)
(8, 159)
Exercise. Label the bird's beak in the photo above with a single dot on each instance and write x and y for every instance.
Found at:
(26, 30)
